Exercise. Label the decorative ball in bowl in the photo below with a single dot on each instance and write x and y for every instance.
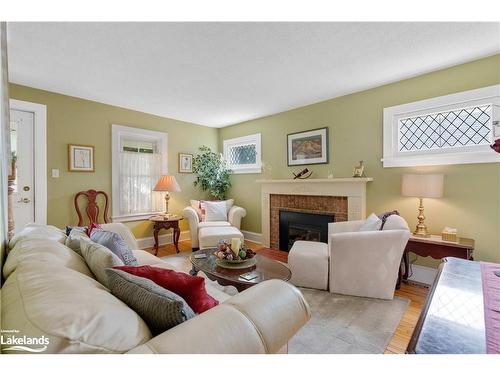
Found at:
(226, 253)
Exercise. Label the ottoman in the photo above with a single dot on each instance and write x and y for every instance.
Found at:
(308, 262)
(210, 236)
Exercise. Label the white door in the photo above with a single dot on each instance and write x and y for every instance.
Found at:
(22, 129)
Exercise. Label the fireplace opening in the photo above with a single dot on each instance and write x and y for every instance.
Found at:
(300, 226)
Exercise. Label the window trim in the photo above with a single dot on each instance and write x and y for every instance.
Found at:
(392, 157)
(117, 133)
(247, 139)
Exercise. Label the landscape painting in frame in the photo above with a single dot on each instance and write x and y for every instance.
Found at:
(309, 147)
(80, 158)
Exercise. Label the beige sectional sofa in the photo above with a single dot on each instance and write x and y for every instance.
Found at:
(50, 292)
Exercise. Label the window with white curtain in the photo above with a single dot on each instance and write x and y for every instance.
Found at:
(139, 159)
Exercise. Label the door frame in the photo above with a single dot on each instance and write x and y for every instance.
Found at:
(39, 154)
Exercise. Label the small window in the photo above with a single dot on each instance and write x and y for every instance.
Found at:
(243, 154)
(451, 129)
(139, 159)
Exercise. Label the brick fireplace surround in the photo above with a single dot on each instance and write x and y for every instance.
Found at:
(343, 197)
(313, 204)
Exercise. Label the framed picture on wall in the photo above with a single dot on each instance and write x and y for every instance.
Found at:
(185, 163)
(308, 147)
(80, 158)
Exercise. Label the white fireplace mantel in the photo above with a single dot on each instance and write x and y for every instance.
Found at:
(354, 188)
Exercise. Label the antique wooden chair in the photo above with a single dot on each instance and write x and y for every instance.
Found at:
(92, 209)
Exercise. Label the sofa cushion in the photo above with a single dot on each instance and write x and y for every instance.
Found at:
(98, 258)
(205, 224)
(44, 252)
(160, 308)
(114, 242)
(75, 312)
(191, 288)
(210, 236)
(32, 231)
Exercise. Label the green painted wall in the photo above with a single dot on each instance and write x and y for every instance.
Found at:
(472, 200)
(74, 120)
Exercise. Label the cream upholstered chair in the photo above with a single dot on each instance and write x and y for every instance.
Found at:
(366, 264)
(233, 220)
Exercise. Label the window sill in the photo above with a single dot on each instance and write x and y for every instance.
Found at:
(135, 217)
(442, 159)
(246, 170)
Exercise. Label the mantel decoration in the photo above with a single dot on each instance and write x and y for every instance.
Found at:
(359, 170)
(212, 173)
(303, 174)
(309, 147)
(80, 158)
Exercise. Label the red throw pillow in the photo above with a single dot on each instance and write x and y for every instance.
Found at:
(191, 288)
(91, 227)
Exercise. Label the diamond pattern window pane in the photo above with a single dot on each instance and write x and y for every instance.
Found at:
(242, 155)
(461, 127)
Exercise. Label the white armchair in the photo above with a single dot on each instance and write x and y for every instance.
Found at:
(234, 217)
(366, 264)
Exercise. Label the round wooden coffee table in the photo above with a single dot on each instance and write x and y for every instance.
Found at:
(266, 269)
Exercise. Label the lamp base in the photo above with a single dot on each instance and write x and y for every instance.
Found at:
(421, 229)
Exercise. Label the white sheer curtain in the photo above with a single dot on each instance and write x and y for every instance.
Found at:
(138, 175)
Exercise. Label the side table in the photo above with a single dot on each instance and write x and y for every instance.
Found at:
(160, 223)
(436, 248)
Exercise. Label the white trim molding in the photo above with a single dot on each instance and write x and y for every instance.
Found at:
(253, 139)
(252, 236)
(164, 239)
(40, 154)
(468, 154)
(118, 132)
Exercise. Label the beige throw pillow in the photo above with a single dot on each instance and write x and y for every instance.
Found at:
(98, 258)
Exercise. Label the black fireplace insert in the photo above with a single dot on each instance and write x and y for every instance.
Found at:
(300, 226)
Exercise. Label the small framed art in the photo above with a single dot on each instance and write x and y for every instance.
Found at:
(308, 147)
(80, 158)
(185, 163)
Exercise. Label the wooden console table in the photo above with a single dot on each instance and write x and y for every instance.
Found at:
(436, 248)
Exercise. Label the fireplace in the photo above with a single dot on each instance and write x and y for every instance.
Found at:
(301, 226)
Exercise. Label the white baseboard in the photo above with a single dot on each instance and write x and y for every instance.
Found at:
(422, 274)
(252, 236)
(164, 239)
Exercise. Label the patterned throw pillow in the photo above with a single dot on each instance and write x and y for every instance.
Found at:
(98, 258)
(191, 288)
(160, 308)
(114, 242)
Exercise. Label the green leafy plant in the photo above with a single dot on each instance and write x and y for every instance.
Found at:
(212, 173)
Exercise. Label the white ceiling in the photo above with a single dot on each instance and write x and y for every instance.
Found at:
(218, 74)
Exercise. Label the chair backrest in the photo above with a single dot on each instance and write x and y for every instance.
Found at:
(92, 208)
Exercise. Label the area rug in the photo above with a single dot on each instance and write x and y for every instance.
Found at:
(339, 324)
(347, 325)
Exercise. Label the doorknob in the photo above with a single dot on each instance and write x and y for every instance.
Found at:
(24, 200)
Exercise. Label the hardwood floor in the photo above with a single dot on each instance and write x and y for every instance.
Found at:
(416, 295)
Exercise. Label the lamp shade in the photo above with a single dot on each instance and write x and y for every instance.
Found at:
(167, 183)
(422, 185)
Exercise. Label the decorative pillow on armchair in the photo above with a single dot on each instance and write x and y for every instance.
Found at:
(371, 223)
(199, 206)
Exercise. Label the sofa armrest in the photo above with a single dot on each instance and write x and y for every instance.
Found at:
(190, 214)
(259, 320)
(235, 215)
(345, 226)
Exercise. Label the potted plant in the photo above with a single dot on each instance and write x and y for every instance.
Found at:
(212, 173)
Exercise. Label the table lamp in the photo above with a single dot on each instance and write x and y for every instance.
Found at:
(422, 186)
(167, 184)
